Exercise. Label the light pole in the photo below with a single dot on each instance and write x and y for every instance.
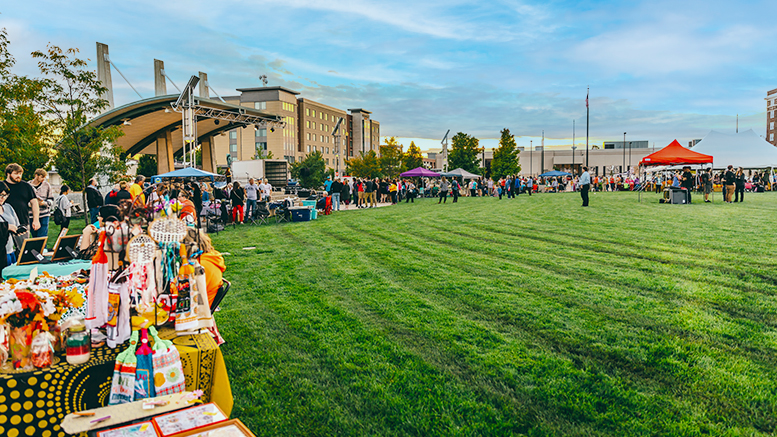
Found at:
(573, 158)
(531, 157)
(573, 145)
(629, 154)
(623, 167)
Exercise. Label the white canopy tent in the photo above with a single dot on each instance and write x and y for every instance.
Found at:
(744, 149)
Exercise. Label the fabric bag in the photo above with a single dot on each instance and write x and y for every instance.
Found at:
(168, 370)
(144, 373)
(59, 216)
(123, 384)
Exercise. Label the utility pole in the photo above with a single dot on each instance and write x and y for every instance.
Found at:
(531, 157)
(542, 158)
(624, 153)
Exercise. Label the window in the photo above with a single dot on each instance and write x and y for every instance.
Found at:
(308, 136)
(771, 137)
(308, 124)
(771, 125)
(321, 115)
(233, 149)
(261, 132)
(327, 150)
(326, 139)
(233, 134)
(260, 105)
(327, 161)
(307, 112)
(326, 117)
(313, 113)
(262, 145)
(322, 126)
(308, 148)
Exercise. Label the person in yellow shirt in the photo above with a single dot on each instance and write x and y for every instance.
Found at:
(137, 189)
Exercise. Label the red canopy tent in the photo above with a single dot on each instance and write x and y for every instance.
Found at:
(675, 154)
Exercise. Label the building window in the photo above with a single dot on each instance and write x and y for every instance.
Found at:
(771, 126)
(308, 148)
(307, 112)
(771, 137)
(313, 113)
(233, 149)
(308, 136)
(261, 132)
(327, 150)
(233, 135)
(260, 105)
(327, 139)
(327, 161)
(308, 124)
(321, 115)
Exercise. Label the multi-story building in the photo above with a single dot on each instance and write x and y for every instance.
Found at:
(309, 127)
(771, 116)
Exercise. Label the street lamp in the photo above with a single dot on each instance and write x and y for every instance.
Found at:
(629, 154)
(573, 158)
(531, 157)
(623, 167)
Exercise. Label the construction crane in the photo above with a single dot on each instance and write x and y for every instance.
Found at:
(444, 143)
(336, 134)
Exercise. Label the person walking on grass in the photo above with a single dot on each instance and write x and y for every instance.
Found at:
(64, 204)
(336, 187)
(253, 194)
(455, 189)
(443, 191)
(237, 196)
(706, 182)
(585, 185)
(739, 183)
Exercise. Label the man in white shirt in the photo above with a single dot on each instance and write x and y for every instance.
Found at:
(252, 194)
(585, 185)
(267, 190)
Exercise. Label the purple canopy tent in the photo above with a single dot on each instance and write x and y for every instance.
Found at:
(420, 172)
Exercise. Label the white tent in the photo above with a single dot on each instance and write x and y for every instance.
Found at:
(745, 149)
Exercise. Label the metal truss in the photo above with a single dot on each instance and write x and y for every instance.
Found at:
(241, 117)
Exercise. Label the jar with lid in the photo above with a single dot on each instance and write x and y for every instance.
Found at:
(78, 345)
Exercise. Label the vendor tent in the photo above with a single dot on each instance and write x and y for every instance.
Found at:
(420, 172)
(188, 173)
(554, 173)
(674, 154)
(744, 149)
(460, 173)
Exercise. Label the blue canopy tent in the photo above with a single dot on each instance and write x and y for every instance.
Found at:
(554, 173)
(188, 173)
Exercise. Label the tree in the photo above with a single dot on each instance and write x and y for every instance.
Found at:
(72, 94)
(365, 165)
(311, 171)
(390, 158)
(147, 165)
(23, 129)
(465, 153)
(505, 160)
(412, 158)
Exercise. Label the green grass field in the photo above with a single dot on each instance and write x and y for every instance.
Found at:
(529, 316)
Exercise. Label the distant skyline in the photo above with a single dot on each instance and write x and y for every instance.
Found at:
(657, 70)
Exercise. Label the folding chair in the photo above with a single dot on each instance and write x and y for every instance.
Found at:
(220, 293)
(282, 215)
(260, 213)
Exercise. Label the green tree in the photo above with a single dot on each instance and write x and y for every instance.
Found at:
(505, 160)
(73, 94)
(412, 158)
(147, 165)
(23, 129)
(390, 158)
(465, 153)
(311, 171)
(366, 165)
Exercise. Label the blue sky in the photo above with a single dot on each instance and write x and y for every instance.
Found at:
(658, 70)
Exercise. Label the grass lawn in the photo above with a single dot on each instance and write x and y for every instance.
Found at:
(529, 316)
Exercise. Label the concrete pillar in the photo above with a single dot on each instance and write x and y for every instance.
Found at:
(204, 85)
(104, 72)
(164, 153)
(160, 84)
(208, 155)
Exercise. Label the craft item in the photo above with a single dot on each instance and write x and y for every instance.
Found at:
(123, 383)
(78, 345)
(142, 252)
(42, 350)
(189, 419)
(97, 291)
(20, 344)
(143, 429)
(144, 385)
(84, 413)
(168, 370)
(227, 428)
(3, 344)
(121, 331)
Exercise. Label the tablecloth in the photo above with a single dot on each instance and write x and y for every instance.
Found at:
(54, 269)
(34, 403)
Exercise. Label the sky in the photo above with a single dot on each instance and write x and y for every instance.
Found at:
(657, 70)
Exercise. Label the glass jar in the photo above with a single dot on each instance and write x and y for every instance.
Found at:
(78, 345)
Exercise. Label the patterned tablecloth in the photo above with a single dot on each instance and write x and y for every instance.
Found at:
(54, 269)
(34, 403)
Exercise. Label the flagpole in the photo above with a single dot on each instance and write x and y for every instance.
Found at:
(586, 126)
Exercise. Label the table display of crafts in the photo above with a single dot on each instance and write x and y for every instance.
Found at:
(154, 284)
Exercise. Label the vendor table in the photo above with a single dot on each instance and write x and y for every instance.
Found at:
(54, 269)
(34, 403)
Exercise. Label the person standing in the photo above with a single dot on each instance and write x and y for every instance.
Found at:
(509, 186)
(501, 187)
(687, 182)
(22, 199)
(345, 193)
(237, 196)
(739, 183)
(530, 184)
(517, 186)
(359, 192)
(64, 204)
(455, 188)
(706, 182)
(9, 225)
(729, 179)
(585, 185)
(410, 196)
(372, 193)
(252, 195)
(94, 200)
(44, 193)
(137, 190)
(335, 188)
(443, 191)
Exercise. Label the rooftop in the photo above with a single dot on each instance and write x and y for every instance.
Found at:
(268, 88)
